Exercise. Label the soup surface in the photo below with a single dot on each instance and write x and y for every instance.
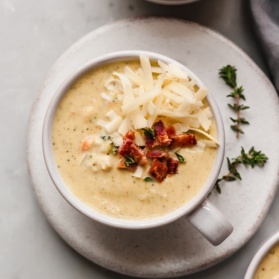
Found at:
(103, 186)
(269, 267)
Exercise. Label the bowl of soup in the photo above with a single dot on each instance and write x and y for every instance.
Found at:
(265, 264)
(134, 140)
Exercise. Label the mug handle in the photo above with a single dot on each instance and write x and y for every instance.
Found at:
(210, 222)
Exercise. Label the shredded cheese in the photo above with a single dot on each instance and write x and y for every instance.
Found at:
(140, 100)
(125, 126)
(153, 90)
(147, 73)
(205, 134)
(139, 172)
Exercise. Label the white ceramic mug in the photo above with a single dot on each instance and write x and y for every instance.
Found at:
(257, 259)
(199, 211)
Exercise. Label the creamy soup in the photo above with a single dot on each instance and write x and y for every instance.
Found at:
(269, 267)
(103, 186)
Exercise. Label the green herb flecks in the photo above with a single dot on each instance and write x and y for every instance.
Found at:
(252, 158)
(105, 137)
(148, 179)
(180, 158)
(228, 74)
(129, 160)
(114, 148)
(149, 133)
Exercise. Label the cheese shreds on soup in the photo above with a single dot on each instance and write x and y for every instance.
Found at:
(103, 107)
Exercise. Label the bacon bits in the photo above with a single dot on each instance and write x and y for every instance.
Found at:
(159, 154)
(149, 142)
(171, 131)
(161, 134)
(172, 165)
(137, 154)
(122, 165)
(158, 142)
(183, 140)
(158, 170)
(130, 149)
(128, 140)
(166, 137)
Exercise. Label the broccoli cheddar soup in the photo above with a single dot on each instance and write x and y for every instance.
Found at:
(135, 139)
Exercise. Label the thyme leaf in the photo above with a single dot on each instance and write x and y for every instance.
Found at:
(228, 74)
(149, 133)
(129, 160)
(250, 159)
(180, 158)
(148, 179)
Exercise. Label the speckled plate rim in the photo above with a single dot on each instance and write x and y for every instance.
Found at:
(100, 31)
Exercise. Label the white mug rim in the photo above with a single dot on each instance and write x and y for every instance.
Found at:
(92, 213)
(260, 254)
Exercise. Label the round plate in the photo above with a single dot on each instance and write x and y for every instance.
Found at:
(175, 249)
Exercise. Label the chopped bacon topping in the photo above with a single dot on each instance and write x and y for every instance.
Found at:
(183, 140)
(125, 148)
(171, 131)
(159, 154)
(128, 140)
(131, 149)
(158, 170)
(161, 134)
(137, 154)
(149, 142)
(122, 165)
(130, 135)
(172, 165)
(163, 140)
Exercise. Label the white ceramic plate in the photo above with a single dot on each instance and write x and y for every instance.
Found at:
(172, 2)
(175, 249)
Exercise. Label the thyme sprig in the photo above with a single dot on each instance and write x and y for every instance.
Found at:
(228, 74)
(129, 160)
(251, 159)
(149, 132)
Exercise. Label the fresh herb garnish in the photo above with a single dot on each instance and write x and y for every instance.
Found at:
(149, 133)
(105, 137)
(180, 158)
(228, 74)
(129, 160)
(148, 179)
(252, 158)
